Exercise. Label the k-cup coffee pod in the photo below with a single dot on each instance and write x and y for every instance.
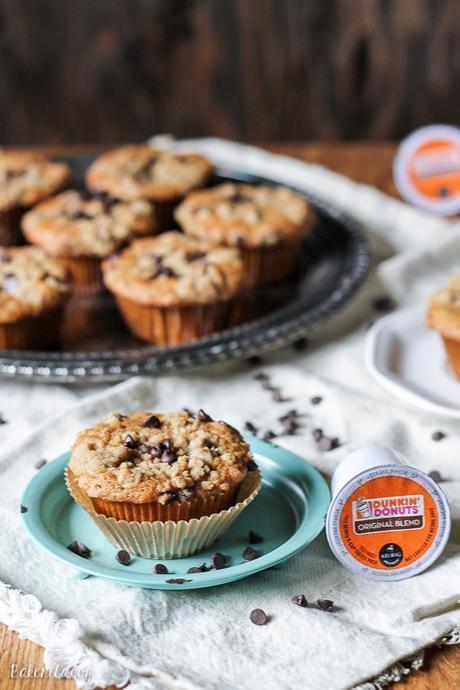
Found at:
(387, 521)
(426, 169)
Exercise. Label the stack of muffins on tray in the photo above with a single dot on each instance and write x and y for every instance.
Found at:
(171, 286)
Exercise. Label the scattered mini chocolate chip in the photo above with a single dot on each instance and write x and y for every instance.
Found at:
(383, 303)
(277, 396)
(289, 416)
(252, 466)
(2, 420)
(300, 600)
(79, 215)
(255, 537)
(250, 554)
(316, 400)
(435, 476)
(258, 617)
(255, 360)
(194, 256)
(168, 456)
(166, 271)
(249, 426)
(129, 442)
(79, 549)
(143, 449)
(266, 385)
(261, 376)
(327, 443)
(161, 569)
(177, 581)
(325, 604)
(123, 557)
(317, 434)
(202, 568)
(203, 417)
(289, 426)
(157, 450)
(39, 464)
(24, 509)
(167, 444)
(218, 561)
(152, 421)
(269, 435)
(438, 435)
(300, 345)
(188, 411)
(73, 546)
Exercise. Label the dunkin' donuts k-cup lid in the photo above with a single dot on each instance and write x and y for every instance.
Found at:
(387, 521)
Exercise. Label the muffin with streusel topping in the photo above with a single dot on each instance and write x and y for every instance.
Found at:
(144, 172)
(268, 224)
(150, 466)
(25, 178)
(33, 290)
(172, 288)
(443, 316)
(83, 228)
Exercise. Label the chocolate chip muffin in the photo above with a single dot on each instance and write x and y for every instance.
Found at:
(82, 228)
(143, 172)
(25, 179)
(268, 224)
(173, 288)
(444, 317)
(151, 466)
(33, 291)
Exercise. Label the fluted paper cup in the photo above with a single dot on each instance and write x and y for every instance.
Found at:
(167, 540)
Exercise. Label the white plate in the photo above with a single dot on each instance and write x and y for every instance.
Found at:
(409, 360)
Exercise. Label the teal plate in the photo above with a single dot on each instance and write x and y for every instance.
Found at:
(289, 513)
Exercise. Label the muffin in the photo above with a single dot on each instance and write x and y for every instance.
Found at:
(33, 291)
(25, 179)
(143, 172)
(82, 228)
(268, 225)
(172, 288)
(443, 316)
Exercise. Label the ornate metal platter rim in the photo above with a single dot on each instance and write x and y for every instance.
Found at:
(277, 329)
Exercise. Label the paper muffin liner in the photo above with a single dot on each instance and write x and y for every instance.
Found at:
(33, 332)
(167, 539)
(10, 227)
(86, 274)
(452, 348)
(265, 265)
(175, 324)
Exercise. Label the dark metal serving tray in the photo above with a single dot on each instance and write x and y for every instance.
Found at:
(97, 347)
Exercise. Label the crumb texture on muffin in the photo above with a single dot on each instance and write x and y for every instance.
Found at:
(173, 269)
(81, 223)
(27, 177)
(141, 171)
(245, 215)
(444, 309)
(152, 457)
(30, 282)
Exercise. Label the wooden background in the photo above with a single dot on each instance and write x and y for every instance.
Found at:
(111, 70)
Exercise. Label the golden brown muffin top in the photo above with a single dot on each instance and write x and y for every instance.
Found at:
(134, 172)
(146, 456)
(173, 269)
(80, 223)
(246, 215)
(444, 309)
(26, 177)
(30, 282)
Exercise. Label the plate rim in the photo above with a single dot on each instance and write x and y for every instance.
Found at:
(33, 525)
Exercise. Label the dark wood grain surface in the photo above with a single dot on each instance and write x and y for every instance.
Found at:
(261, 70)
(371, 164)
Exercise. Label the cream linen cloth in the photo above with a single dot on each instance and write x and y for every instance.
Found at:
(203, 638)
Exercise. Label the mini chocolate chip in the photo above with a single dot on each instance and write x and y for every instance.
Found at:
(161, 569)
(24, 509)
(194, 256)
(167, 444)
(184, 495)
(258, 617)
(261, 376)
(277, 396)
(165, 271)
(203, 417)
(85, 194)
(252, 466)
(83, 550)
(289, 416)
(168, 456)
(300, 600)
(317, 434)
(327, 443)
(289, 427)
(129, 442)
(202, 568)
(152, 421)
(143, 449)
(240, 243)
(249, 426)
(2, 420)
(218, 561)
(157, 450)
(438, 435)
(435, 476)
(383, 303)
(123, 557)
(250, 554)
(300, 345)
(73, 546)
(5, 256)
(189, 412)
(269, 435)
(325, 604)
(255, 360)
(79, 215)
(266, 385)
(316, 400)
(39, 464)
(254, 537)
(177, 581)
